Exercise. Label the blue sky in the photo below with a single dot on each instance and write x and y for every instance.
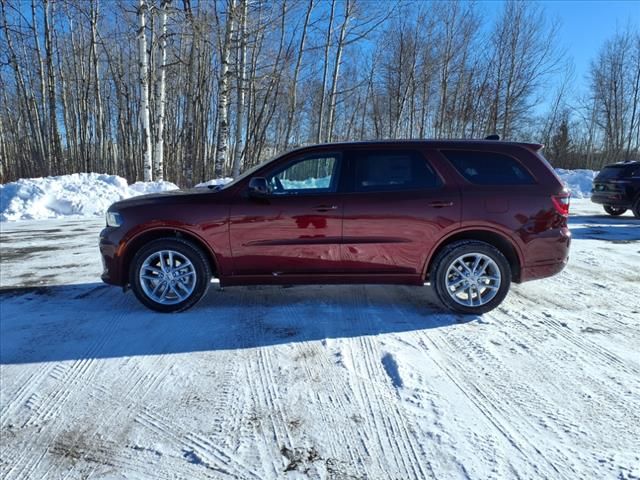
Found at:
(586, 25)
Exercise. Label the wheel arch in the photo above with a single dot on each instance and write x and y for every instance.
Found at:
(137, 242)
(499, 240)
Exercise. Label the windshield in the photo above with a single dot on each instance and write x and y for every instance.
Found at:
(245, 174)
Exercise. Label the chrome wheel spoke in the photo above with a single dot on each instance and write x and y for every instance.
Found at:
(167, 277)
(473, 279)
(163, 295)
(184, 275)
(151, 269)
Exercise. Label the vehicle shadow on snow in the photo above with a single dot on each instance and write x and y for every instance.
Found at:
(96, 321)
(624, 229)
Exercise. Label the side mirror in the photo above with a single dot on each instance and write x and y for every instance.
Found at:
(258, 187)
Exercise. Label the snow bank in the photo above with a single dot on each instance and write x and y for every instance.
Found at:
(578, 181)
(80, 194)
(215, 181)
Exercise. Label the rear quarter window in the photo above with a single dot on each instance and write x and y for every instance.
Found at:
(488, 168)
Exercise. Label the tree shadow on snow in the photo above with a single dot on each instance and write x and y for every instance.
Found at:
(97, 321)
(624, 229)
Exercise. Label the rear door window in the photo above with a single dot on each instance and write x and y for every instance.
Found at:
(489, 168)
(385, 171)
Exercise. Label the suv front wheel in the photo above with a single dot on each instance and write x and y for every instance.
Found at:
(169, 275)
(471, 276)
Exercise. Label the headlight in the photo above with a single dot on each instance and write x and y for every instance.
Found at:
(114, 219)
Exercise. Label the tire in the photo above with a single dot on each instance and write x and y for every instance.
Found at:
(165, 290)
(615, 211)
(636, 208)
(491, 287)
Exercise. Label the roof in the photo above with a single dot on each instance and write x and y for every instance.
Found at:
(433, 142)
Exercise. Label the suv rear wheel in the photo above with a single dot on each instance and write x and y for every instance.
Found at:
(470, 276)
(169, 275)
(615, 211)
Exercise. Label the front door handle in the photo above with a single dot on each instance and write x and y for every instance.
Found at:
(440, 204)
(325, 208)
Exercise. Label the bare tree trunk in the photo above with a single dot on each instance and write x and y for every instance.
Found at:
(293, 96)
(336, 70)
(222, 148)
(41, 74)
(323, 87)
(54, 137)
(160, 87)
(144, 90)
(239, 146)
(100, 121)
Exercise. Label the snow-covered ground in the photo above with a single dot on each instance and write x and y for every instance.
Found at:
(90, 194)
(318, 382)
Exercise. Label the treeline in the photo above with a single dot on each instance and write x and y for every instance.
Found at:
(186, 90)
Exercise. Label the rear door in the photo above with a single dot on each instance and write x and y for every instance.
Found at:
(397, 208)
(297, 228)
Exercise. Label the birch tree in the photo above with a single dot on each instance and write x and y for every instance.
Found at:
(161, 95)
(222, 147)
(144, 90)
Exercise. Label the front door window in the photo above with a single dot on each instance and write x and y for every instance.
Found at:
(307, 176)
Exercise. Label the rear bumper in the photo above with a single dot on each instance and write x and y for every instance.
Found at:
(542, 271)
(552, 255)
(615, 199)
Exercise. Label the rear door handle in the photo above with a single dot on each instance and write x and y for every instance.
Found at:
(325, 208)
(440, 204)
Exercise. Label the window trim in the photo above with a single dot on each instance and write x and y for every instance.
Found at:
(334, 186)
(441, 152)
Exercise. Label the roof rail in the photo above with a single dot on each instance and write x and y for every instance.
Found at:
(492, 137)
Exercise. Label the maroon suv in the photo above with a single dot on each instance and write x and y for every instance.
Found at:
(469, 217)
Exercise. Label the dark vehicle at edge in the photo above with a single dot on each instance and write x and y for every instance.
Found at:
(469, 217)
(617, 188)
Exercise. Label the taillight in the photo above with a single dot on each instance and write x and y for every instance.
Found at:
(561, 203)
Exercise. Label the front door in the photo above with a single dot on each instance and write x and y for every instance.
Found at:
(297, 227)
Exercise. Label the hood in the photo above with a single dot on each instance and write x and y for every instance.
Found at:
(163, 198)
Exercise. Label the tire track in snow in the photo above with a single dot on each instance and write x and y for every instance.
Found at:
(78, 374)
(610, 358)
(138, 387)
(330, 398)
(259, 377)
(24, 393)
(334, 396)
(379, 400)
(491, 408)
(223, 461)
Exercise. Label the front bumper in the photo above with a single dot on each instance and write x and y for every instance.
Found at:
(111, 263)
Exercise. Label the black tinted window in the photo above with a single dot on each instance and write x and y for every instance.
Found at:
(488, 168)
(390, 171)
(615, 171)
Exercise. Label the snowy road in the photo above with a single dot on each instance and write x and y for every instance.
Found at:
(318, 382)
